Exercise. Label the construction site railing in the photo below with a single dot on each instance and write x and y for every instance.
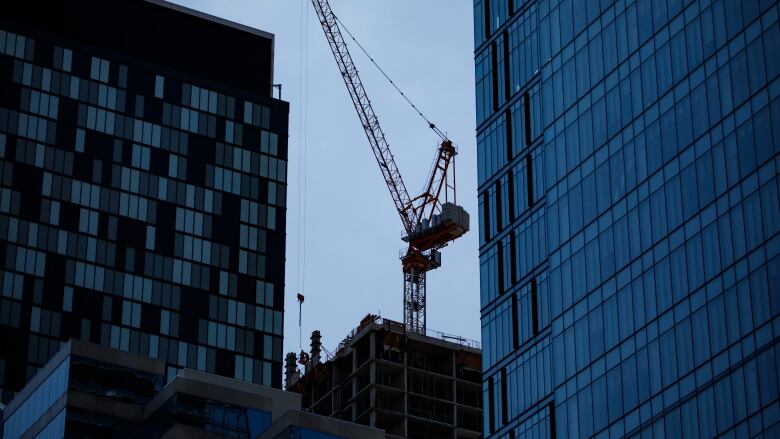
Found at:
(398, 327)
(474, 344)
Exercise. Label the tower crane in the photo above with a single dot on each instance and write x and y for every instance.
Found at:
(430, 220)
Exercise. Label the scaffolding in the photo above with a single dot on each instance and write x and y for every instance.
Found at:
(410, 385)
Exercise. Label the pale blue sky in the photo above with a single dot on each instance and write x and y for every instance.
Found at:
(352, 229)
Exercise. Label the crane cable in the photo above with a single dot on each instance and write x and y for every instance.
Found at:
(431, 125)
(305, 141)
(303, 90)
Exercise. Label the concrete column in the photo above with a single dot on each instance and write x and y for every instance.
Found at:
(406, 396)
(454, 396)
(354, 383)
(333, 391)
(372, 377)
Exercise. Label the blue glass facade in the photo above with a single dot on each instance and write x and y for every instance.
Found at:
(628, 159)
(38, 402)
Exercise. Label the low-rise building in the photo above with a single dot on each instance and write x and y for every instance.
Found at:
(87, 390)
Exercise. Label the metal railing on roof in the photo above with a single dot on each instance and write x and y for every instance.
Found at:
(399, 327)
(463, 341)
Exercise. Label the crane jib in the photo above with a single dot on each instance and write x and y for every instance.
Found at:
(365, 111)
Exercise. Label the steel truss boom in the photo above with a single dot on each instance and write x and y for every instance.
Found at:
(376, 137)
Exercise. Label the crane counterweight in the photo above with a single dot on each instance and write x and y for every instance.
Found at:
(449, 225)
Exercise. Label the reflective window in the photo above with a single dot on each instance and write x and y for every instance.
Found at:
(40, 400)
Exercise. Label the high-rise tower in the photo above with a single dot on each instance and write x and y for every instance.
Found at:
(143, 176)
(629, 217)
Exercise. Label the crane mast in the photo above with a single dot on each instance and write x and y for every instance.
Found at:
(429, 223)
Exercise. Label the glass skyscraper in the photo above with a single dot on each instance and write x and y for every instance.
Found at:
(142, 188)
(628, 188)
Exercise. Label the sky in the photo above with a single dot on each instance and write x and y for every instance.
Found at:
(343, 232)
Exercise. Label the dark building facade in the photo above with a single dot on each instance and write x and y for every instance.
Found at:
(629, 217)
(409, 385)
(142, 188)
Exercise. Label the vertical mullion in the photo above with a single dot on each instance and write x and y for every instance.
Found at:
(499, 207)
(534, 307)
(513, 256)
(511, 194)
(527, 116)
(500, 257)
(486, 214)
(507, 81)
(504, 398)
(494, 73)
(530, 179)
(515, 324)
(509, 135)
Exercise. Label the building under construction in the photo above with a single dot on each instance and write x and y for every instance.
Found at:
(410, 385)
